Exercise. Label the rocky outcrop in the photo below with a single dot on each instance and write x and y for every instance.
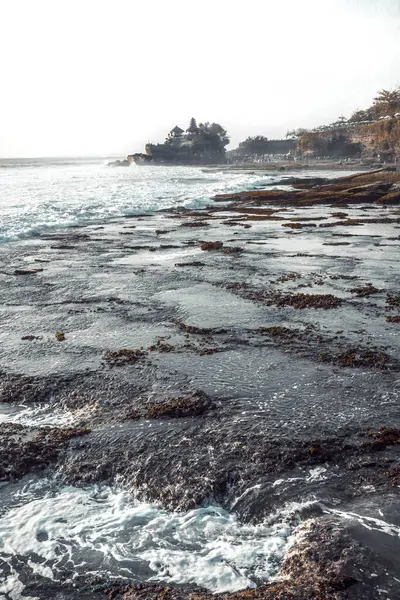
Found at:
(379, 139)
(324, 563)
(198, 145)
(381, 186)
(139, 158)
(120, 163)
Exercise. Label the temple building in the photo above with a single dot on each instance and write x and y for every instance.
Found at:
(175, 132)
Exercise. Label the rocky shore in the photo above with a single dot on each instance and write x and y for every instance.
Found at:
(246, 355)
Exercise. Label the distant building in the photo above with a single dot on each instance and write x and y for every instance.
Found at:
(195, 146)
(175, 132)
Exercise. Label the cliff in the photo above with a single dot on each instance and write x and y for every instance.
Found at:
(372, 139)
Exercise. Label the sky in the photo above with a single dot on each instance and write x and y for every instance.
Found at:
(104, 77)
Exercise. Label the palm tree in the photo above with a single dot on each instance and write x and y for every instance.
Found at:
(387, 102)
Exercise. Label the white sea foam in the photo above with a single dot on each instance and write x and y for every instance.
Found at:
(36, 415)
(39, 195)
(108, 532)
(371, 523)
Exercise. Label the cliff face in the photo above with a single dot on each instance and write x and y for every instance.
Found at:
(379, 136)
(366, 139)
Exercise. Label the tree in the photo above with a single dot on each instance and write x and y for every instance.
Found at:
(255, 145)
(387, 102)
(296, 133)
(193, 125)
(213, 135)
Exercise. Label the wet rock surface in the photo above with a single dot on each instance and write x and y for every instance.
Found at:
(260, 373)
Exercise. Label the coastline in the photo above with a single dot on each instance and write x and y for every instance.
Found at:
(311, 165)
(273, 348)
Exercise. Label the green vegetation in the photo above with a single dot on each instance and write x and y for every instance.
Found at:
(199, 144)
(385, 104)
(375, 129)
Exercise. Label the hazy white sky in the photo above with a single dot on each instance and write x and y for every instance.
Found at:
(96, 77)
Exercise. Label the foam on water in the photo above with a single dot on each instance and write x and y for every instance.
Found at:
(53, 195)
(370, 523)
(40, 195)
(36, 416)
(107, 532)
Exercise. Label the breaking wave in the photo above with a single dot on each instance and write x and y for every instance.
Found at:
(106, 532)
(43, 195)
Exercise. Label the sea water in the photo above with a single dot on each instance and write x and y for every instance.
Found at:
(37, 195)
(107, 532)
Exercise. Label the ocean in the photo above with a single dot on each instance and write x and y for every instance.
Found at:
(40, 195)
(217, 499)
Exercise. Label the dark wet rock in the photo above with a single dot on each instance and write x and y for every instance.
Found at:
(161, 346)
(138, 216)
(366, 290)
(393, 300)
(304, 182)
(192, 405)
(278, 331)
(394, 475)
(237, 224)
(125, 356)
(212, 458)
(233, 250)
(384, 437)
(339, 215)
(20, 389)
(344, 277)
(195, 224)
(141, 247)
(336, 244)
(27, 271)
(30, 338)
(193, 263)
(131, 414)
(297, 225)
(26, 449)
(359, 357)
(326, 562)
(393, 318)
(298, 300)
(207, 246)
(377, 186)
(208, 351)
(119, 163)
(192, 329)
(288, 277)
(62, 247)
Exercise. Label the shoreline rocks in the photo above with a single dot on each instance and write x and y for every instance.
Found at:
(254, 376)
